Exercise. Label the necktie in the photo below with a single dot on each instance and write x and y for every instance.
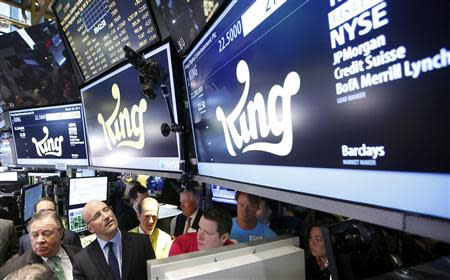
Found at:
(112, 262)
(55, 265)
(187, 225)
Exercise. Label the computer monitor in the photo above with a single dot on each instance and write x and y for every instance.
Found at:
(76, 222)
(84, 189)
(278, 258)
(34, 177)
(43, 175)
(355, 250)
(49, 136)
(8, 176)
(124, 126)
(30, 196)
(320, 98)
(34, 68)
(223, 194)
(96, 31)
(185, 20)
(155, 184)
(85, 173)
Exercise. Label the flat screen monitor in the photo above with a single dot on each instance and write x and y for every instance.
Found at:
(223, 194)
(124, 126)
(355, 250)
(34, 69)
(82, 190)
(155, 184)
(30, 195)
(186, 19)
(8, 177)
(50, 135)
(43, 175)
(327, 98)
(34, 177)
(76, 222)
(85, 173)
(278, 258)
(97, 30)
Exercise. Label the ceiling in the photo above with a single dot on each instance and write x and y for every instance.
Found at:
(39, 9)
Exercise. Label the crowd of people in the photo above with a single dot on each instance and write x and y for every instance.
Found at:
(121, 248)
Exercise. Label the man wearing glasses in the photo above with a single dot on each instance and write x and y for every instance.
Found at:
(46, 232)
(114, 254)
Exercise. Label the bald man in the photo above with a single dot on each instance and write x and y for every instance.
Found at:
(114, 254)
(148, 210)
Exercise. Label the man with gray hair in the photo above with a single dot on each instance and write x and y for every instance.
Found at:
(189, 219)
(46, 233)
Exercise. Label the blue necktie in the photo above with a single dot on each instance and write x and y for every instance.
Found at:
(112, 262)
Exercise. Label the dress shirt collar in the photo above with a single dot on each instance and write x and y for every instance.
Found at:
(117, 240)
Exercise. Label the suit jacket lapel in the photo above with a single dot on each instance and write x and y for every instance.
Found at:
(126, 255)
(97, 256)
(33, 258)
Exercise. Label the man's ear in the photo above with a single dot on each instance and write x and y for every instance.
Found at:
(224, 237)
(90, 229)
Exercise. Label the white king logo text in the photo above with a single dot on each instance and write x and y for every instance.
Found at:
(48, 146)
(267, 121)
(120, 126)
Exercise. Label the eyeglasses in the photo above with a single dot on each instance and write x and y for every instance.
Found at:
(97, 215)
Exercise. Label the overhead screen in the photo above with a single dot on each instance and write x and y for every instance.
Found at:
(186, 19)
(97, 30)
(50, 135)
(34, 69)
(328, 98)
(124, 126)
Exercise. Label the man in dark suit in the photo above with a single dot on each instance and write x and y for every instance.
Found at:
(46, 231)
(114, 254)
(70, 237)
(188, 220)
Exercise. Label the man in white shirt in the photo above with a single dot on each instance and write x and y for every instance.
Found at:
(46, 233)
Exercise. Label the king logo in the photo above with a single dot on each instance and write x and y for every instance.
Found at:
(119, 128)
(267, 121)
(48, 146)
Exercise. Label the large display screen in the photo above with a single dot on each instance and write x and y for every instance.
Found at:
(83, 190)
(50, 135)
(343, 99)
(34, 69)
(186, 19)
(124, 126)
(97, 30)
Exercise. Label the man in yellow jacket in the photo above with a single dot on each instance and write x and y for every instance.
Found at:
(148, 210)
